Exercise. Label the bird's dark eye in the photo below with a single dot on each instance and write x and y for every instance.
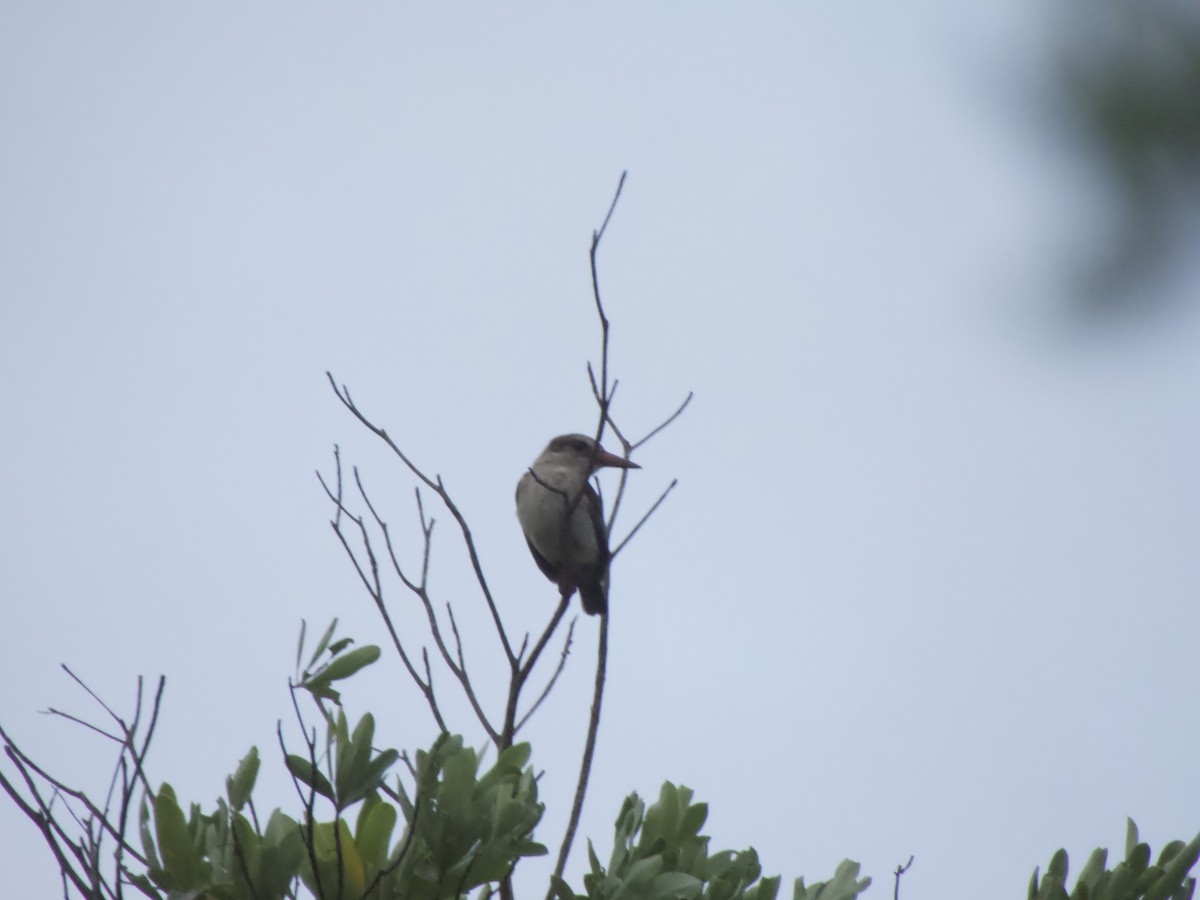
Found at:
(580, 446)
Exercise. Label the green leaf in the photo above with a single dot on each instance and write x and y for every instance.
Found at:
(374, 834)
(1139, 859)
(675, 884)
(1093, 869)
(239, 785)
(147, 839)
(1167, 853)
(180, 858)
(300, 646)
(142, 883)
(346, 665)
(323, 643)
(350, 872)
(1057, 870)
(282, 852)
(1175, 871)
(303, 770)
(1131, 837)
(693, 819)
(560, 889)
(768, 888)
(593, 859)
(643, 870)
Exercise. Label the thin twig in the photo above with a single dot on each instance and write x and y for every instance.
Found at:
(558, 670)
(309, 800)
(26, 765)
(671, 418)
(51, 711)
(403, 849)
(372, 581)
(900, 870)
(438, 487)
(522, 671)
(79, 681)
(585, 767)
(603, 400)
(459, 669)
(649, 513)
(44, 824)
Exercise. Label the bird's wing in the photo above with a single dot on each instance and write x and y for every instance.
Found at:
(596, 513)
(548, 568)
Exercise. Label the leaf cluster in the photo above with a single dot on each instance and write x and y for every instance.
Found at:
(660, 854)
(1134, 878)
(462, 829)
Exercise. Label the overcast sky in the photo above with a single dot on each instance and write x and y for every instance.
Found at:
(928, 583)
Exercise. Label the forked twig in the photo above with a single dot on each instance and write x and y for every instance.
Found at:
(435, 484)
(900, 870)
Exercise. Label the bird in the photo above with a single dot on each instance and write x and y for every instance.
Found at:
(562, 518)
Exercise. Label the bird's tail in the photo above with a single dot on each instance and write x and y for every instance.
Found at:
(594, 597)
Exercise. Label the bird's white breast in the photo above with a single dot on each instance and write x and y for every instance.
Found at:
(541, 509)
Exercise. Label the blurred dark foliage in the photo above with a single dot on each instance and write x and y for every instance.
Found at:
(1130, 76)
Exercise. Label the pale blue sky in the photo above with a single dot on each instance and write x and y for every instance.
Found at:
(928, 582)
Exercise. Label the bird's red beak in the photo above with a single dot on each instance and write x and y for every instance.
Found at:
(604, 458)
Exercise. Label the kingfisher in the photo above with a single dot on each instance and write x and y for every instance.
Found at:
(563, 520)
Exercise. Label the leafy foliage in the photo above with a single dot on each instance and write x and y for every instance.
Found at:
(659, 854)
(1134, 878)
(461, 829)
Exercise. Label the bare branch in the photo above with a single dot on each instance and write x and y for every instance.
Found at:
(461, 671)
(79, 681)
(612, 206)
(585, 767)
(520, 673)
(648, 514)
(88, 725)
(438, 487)
(900, 870)
(562, 664)
(372, 581)
(458, 669)
(671, 418)
(41, 818)
(309, 800)
(28, 768)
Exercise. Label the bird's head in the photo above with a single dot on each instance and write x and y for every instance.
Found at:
(578, 451)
